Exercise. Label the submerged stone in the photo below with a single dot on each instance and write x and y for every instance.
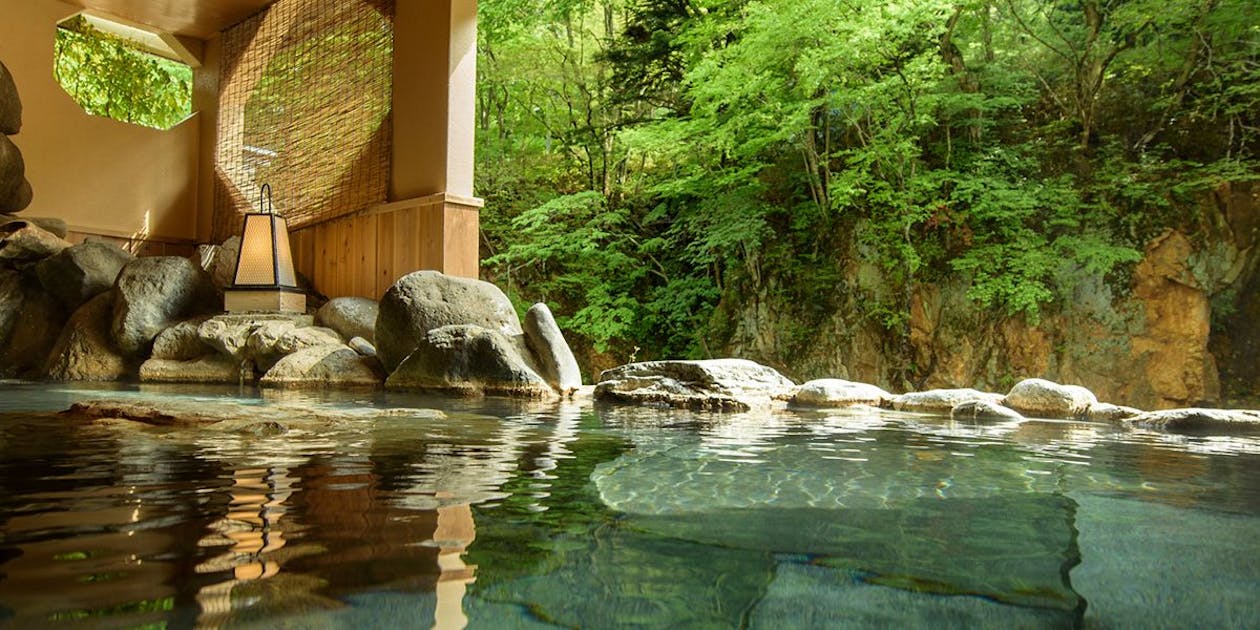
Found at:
(709, 385)
(1196, 420)
(940, 401)
(975, 410)
(834, 392)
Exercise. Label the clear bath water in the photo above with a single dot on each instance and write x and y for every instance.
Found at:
(515, 515)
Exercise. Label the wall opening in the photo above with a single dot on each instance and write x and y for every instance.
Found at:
(110, 70)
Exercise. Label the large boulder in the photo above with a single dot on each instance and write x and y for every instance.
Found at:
(470, 360)
(940, 401)
(1040, 398)
(23, 243)
(556, 362)
(38, 322)
(834, 392)
(425, 300)
(710, 385)
(349, 316)
(323, 366)
(85, 350)
(10, 104)
(78, 273)
(1198, 421)
(155, 293)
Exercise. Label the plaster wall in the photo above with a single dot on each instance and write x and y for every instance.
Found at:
(435, 77)
(100, 175)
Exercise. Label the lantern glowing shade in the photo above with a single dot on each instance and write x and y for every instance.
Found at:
(265, 280)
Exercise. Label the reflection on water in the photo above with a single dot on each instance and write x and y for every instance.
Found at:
(509, 514)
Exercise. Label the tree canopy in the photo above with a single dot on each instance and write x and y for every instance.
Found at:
(656, 168)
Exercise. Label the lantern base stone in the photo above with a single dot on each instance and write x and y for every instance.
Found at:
(272, 301)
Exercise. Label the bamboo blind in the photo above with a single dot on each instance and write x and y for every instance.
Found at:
(304, 104)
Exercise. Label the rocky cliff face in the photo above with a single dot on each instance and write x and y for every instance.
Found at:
(1184, 331)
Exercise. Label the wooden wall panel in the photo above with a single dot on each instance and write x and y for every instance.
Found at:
(364, 254)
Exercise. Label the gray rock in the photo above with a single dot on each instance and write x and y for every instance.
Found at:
(181, 342)
(1035, 397)
(226, 337)
(834, 392)
(18, 198)
(11, 297)
(78, 273)
(53, 224)
(940, 400)
(262, 341)
(223, 266)
(1198, 421)
(362, 346)
(1106, 412)
(231, 334)
(23, 243)
(425, 300)
(711, 385)
(12, 169)
(307, 337)
(39, 319)
(323, 366)
(153, 294)
(350, 316)
(10, 104)
(470, 360)
(213, 368)
(85, 351)
(980, 410)
(555, 360)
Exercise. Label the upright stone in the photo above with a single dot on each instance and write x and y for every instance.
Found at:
(78, 273)
(10, 104)
(425, 300)
(555, 360)
(155, 293)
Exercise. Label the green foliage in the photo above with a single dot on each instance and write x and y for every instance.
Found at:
(663, 168)
(109, 77)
